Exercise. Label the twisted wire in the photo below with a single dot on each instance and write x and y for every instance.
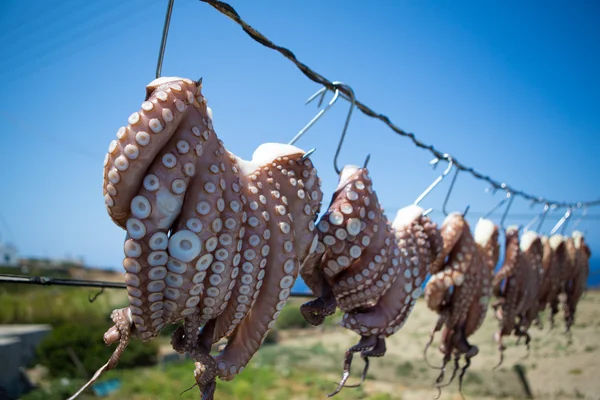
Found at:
(314, 76)
(49, 281)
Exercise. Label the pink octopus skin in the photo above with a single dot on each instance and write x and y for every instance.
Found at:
(418, 243)
(510, 274)
(359, 244)
(281, 264)
(146, 176)
(169, 173)
(356, 260)
(549, 288)
(463, 268)
(486, 240)
(558, 249)
(303, 198)
(530, 258)
(578, 254)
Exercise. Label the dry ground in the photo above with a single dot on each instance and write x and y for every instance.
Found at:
(555, 369)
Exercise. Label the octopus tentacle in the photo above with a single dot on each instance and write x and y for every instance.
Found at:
(392, 309)
(450, 231)
(253, 261)
(351, 235)
(138, 143)
(356, 234)
(442, 319)
(165, 274)
(455, 232)
(461, 300)
(376, 351)
(511, 272)
(280, 267)
(120, 331)
(365, 343)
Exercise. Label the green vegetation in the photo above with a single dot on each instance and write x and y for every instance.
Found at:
(291, 318)
(273, 373)
(405, 369)
(56, 305)
(76, 351)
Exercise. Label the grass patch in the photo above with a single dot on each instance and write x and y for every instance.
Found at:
(291, 318)
(575, 371)
(473, 378)
(404, 369)
(272, 374)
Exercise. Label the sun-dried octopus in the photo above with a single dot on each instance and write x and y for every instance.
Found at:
(459, 289)
(168, 174)
(552, 261)
(371, 270)
(506, 288)
(289, 206)
(576, 274)
(518, 305)
(531, 253)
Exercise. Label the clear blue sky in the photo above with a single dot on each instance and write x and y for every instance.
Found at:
(511, 88)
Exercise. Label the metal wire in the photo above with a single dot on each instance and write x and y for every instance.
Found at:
(163, 43)
(230, 12)
(48, 281)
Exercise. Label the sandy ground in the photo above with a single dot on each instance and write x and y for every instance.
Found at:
(554, 369)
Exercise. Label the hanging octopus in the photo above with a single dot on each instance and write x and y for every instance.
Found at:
(506, 289)
(518, 305)
(552, 260)
(460, 287)
(531, 253)
(371, 270)
(576, 274)
(193, 213)
(285, 231)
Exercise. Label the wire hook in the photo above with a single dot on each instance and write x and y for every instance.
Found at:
(434, 162)
(581, 217)
(163, 43)
(561, 222)
(448, 196)
(321, 92)
(352, 103)
(509, 197)
(540, 217)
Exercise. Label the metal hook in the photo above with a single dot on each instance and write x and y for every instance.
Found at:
(94, 297)
(561, 222)
(448, 196)
(434, 162)
(163, 43)
(541, 217)
(321, 92)
(509, 197)
(352, 104)
(581, 217)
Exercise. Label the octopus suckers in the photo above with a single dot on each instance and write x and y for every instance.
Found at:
(184, 245)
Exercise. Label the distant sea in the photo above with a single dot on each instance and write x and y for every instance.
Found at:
(593, 280)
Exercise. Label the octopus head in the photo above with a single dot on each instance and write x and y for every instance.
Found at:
(167, 81)
(268, 153)
(528, 240)
(486, 236)
(485, 230)
(512, 233)
(407, 216)
(347, 174)
(577, 238)
(556, 241)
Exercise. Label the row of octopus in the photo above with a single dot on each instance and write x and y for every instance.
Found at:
(215, 243)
